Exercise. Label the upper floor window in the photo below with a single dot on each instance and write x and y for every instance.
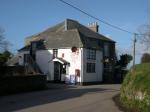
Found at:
(55, 53)
(106, 49)
(91, 54)
(33, 47)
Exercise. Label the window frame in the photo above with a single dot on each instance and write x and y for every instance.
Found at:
(91, 67)
(91, 54)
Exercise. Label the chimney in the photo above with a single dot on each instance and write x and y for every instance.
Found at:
(93, 26)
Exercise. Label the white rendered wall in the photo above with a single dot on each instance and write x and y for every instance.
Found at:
(21, 56)
(77, 60)
(44, 60)
(92, 77)
(74, 58)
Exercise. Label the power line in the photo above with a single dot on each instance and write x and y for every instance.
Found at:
(109, 24)
(86, 13)
(103, 21)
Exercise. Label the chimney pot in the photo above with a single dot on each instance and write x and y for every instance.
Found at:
(93, 26)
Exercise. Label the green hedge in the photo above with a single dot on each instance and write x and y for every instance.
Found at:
(135, 90)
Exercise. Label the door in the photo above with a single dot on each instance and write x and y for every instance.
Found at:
(57, 71)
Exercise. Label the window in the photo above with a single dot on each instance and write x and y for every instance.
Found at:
(91, 54)
(64, 69)
(90, 68)
(106, 50)
(33, 48)
(55, 53)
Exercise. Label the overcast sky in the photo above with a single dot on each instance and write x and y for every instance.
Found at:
(22, 18)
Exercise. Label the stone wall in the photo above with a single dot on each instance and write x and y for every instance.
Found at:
(15, 84)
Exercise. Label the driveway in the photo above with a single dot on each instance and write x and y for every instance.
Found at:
(63, 98)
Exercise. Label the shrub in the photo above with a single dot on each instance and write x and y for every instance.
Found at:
(145, 58)
(4, 57)
(124, 60)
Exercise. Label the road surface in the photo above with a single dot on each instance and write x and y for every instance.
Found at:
(62, 98)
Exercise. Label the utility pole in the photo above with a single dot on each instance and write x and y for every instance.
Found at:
(134, 42)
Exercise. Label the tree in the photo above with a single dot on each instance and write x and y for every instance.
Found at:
(3, 43)
(145, 37)
(145, 58)
(4, 57)
(124, 60)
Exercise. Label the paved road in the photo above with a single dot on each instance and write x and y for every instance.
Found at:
(62, 98)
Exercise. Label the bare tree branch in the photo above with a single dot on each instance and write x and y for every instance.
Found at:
(3, 43)
(145, 39)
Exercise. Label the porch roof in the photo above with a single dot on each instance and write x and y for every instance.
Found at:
(61, 60)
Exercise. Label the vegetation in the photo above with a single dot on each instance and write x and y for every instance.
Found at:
(4, 53)
(4, 57)
(145, 58)
(124, 60)
(145, 39)
(135, 90)
(3, 43)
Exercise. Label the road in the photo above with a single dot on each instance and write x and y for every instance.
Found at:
(63, 98)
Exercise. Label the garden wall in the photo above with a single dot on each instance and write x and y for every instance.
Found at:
(14, 84)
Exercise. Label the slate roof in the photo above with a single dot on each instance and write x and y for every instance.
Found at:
(64, 39)
(67, 34)
(25, 48)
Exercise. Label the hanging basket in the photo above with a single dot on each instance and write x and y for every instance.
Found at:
(74, 49)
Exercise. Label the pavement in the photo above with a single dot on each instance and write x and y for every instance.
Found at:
(63, 98)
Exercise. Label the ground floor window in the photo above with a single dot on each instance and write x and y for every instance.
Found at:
(90, 68)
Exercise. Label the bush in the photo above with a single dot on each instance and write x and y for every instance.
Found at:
(145, 58)
(135, 90)
(4, 57)
(124, 60)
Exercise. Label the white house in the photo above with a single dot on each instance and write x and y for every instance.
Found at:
(69, 50)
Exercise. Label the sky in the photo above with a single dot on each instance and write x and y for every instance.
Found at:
(23, 18)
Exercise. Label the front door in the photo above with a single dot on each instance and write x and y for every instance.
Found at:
(57, 71)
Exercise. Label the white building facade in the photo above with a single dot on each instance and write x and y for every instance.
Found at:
(69, 51)
(83, 64)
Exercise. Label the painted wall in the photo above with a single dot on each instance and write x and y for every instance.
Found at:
(43, 57)
(21, 57)
(97, 76)
(77, 60)
(44, 60)
(74, 58)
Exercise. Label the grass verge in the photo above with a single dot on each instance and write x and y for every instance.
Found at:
(135, 90)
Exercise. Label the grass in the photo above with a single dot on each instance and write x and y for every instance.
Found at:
(135, 90)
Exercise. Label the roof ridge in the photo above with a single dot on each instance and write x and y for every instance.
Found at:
(95, 32)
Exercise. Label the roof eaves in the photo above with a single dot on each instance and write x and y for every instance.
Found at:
(25, 48)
